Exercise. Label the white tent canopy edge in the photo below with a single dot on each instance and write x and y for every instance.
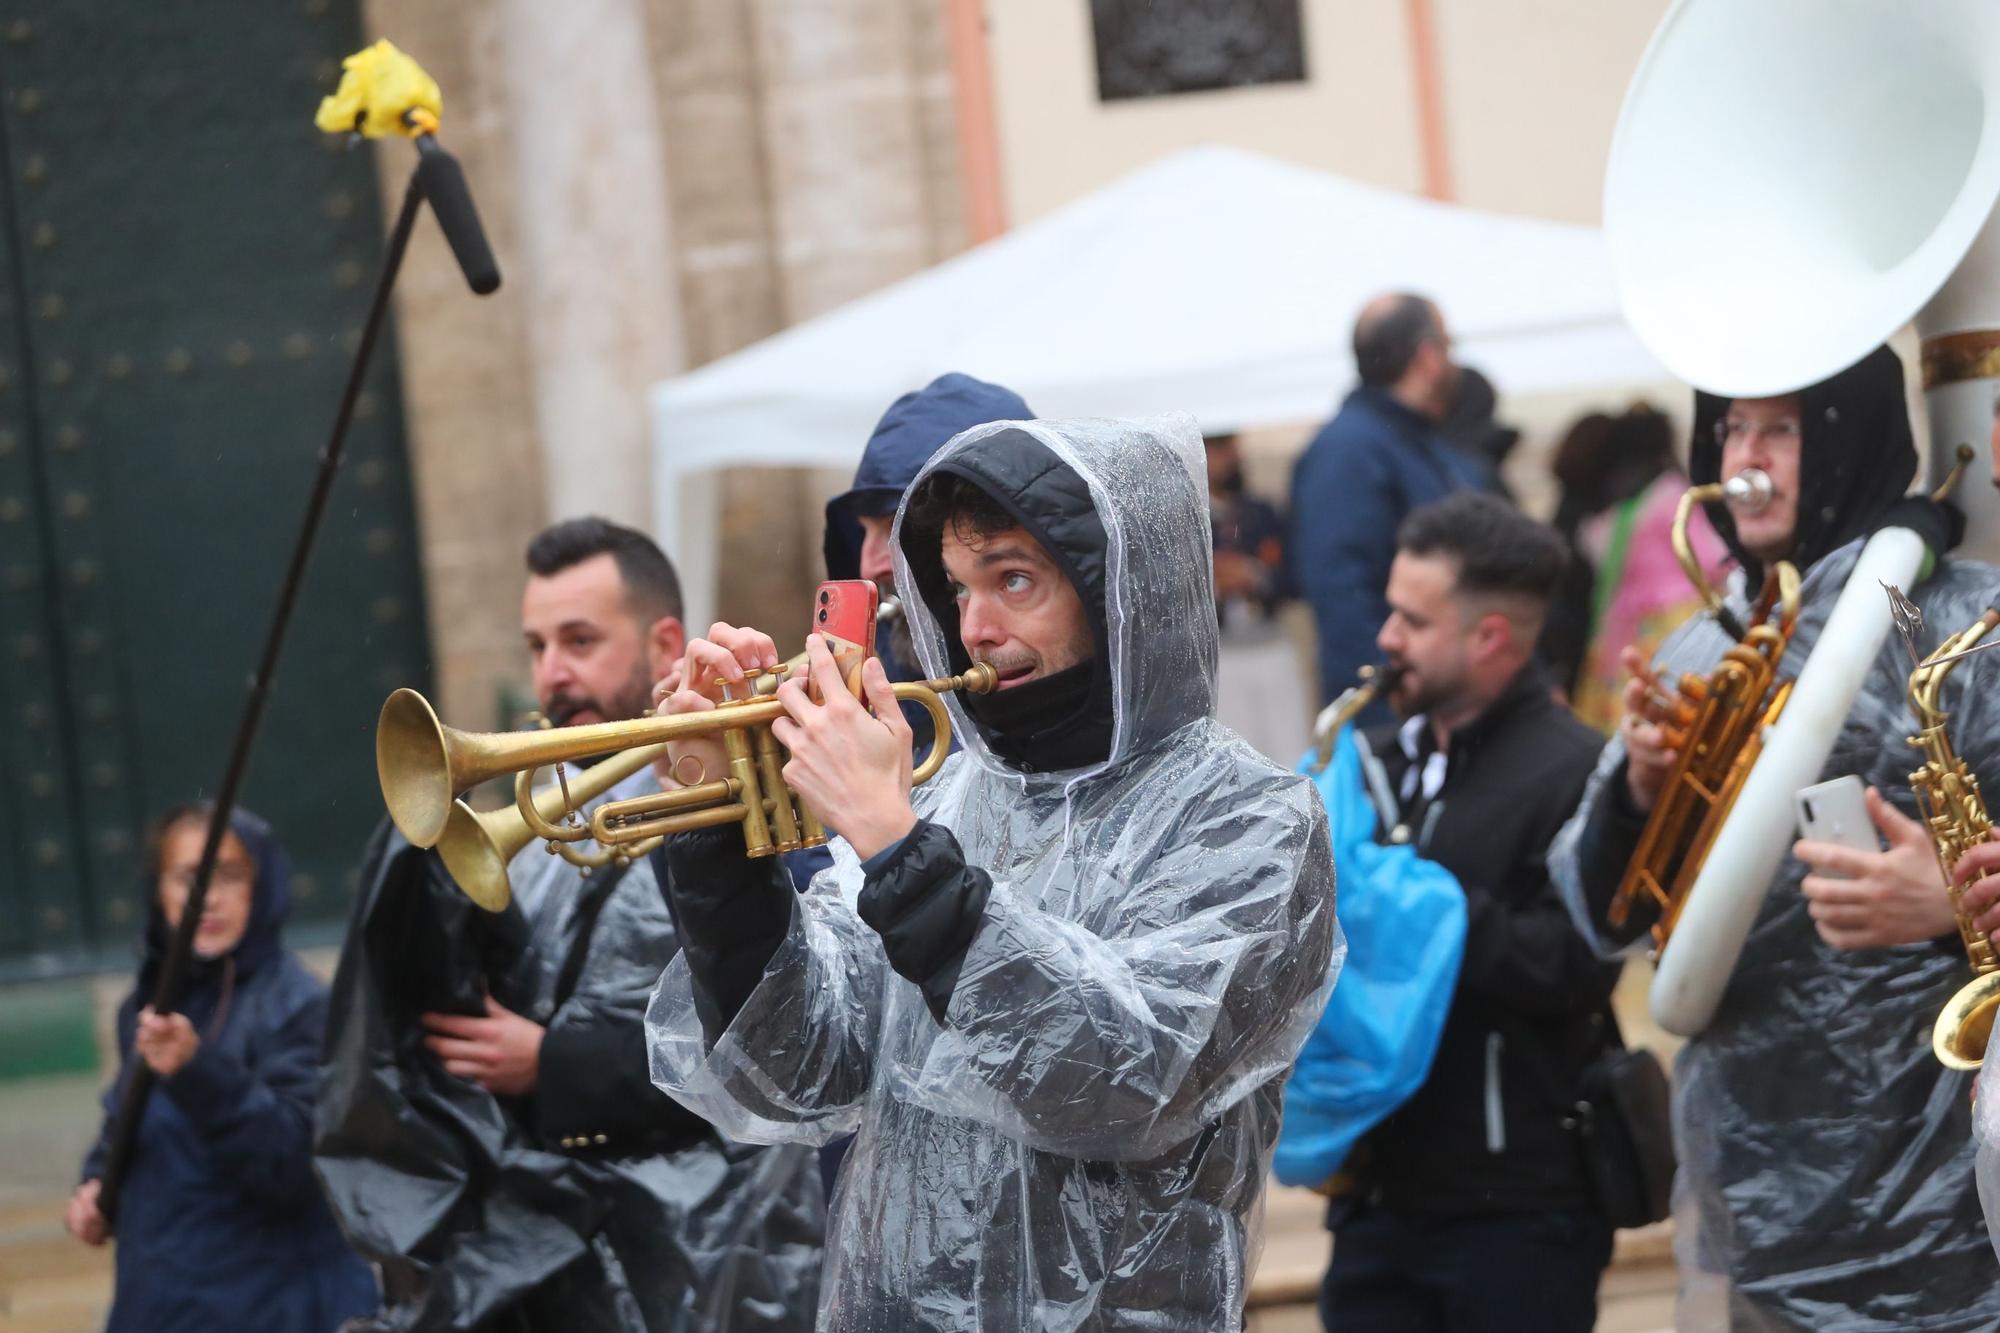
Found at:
(1214, 282)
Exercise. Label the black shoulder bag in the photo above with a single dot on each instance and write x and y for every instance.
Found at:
(1624, 1126)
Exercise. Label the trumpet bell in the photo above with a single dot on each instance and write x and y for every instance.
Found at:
(1965, 1025)
(476, 857)
(410, 748)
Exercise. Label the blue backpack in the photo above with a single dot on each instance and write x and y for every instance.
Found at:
(1404, 919)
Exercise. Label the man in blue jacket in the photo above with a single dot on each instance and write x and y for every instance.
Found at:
(858, 519)
(1378, 459)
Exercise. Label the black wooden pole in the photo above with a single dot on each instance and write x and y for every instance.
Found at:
(170, 991)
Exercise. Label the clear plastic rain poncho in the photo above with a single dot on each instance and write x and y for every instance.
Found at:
(1083, 1143)
(1826, 1158)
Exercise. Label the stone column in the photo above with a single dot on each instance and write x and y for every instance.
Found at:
(850, 102)
(596, 245)
(466, 368)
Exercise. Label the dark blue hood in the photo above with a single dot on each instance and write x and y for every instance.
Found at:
(916, 426)
(270, 905)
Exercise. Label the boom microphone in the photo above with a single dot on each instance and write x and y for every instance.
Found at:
(443, 184)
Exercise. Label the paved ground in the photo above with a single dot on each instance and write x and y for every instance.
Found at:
(50, 1284)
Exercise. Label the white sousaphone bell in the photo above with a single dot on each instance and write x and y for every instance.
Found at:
(1791, 182)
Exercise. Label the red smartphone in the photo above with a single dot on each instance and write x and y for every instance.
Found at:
(844, 615)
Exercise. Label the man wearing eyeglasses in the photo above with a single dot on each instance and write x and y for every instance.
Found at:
(1826, 1173)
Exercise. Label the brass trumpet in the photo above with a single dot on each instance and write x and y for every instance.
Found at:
(1955, 813)
(422, 764)
(476, 848)
(1717, 723)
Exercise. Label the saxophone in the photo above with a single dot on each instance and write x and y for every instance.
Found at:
(1955, 813)
(1716, 725)
(1326, 727)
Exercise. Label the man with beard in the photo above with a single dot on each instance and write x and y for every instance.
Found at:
(1825, 1156)
(1470, 1199)
(489, 1132)
(1056, 989)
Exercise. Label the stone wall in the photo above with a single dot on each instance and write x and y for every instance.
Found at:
(664, 182)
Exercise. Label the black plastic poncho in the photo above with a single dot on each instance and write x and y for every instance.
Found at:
(475, 1212)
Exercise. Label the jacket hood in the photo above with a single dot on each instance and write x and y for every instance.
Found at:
(1123, 508)
(270, 906)
(1856, 458)
(916, 426)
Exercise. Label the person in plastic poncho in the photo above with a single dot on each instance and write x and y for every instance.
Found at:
(1057, 988)
(1826, 1162)
(488, 1131)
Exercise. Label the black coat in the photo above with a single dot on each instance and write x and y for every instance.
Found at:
(596, 1202)
(1485, 1133)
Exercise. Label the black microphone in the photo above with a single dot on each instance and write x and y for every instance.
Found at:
(443, 184)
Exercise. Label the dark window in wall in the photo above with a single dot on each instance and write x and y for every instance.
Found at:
(1148, 48)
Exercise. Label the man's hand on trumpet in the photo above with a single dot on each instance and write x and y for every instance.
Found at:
(710, 666)
(850, 760)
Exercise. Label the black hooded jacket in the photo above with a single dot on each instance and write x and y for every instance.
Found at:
(1856, 458)
(497, 1213)
(921, 895)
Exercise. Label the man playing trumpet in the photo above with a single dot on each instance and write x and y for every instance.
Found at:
(508, 1162)
(1825, 1169)
(1057, 988)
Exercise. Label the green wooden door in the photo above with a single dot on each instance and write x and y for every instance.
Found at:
(184, 265)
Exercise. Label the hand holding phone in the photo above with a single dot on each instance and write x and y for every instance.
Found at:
(1837, 812)
(844, 615)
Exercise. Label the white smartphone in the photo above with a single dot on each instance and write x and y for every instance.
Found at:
(1837, 812)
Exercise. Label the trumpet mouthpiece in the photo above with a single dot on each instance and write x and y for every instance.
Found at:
(1748, 491)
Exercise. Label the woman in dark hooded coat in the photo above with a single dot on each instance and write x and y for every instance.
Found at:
(220, 1220)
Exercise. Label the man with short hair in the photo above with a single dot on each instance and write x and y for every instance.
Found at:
(1825, 1158)
(1378, 459)
(1470, 1199)
(1055, 989)
(516, 1169)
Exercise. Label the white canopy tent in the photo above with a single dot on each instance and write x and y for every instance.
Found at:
(1214, 282)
